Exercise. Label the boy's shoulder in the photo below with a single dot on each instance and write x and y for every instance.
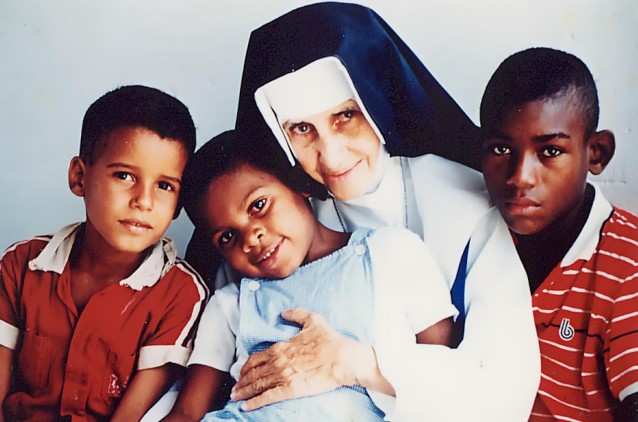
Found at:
(617, 249)
(42, 252)
(25, 250)
(181, 273)
(625, 217)
(621, 228)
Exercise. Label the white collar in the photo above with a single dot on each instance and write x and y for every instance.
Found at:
(383, 162)
(589, 237)
(56, 253)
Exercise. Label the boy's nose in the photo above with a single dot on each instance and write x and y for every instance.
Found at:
(143, 198)
(524, 171)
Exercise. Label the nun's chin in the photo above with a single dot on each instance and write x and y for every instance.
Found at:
(363, 177)
(350, 184)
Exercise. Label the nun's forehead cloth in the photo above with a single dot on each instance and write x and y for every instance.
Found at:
(413, 112)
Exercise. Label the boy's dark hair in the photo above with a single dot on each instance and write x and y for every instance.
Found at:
(221, 155)
(135, 106)
(536, 74)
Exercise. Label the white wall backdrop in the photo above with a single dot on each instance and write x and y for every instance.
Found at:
(57, 57)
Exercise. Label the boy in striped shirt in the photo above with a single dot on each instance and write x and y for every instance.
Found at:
(539, 114)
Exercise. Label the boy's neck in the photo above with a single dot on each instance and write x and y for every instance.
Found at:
(92, 258)
(541, 252)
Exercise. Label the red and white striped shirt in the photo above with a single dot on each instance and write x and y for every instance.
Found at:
(586, 314)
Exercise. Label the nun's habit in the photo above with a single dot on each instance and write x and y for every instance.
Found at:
(494, 373)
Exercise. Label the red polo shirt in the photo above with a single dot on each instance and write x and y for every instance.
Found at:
(80, 365)
(586, 314)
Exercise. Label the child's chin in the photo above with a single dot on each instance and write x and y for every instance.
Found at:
(523, 228)
(134, 246)
(276, 275)
(272, 273)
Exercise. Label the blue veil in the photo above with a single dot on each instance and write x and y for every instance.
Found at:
(413, 112)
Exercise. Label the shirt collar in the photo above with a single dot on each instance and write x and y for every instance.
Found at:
(589, 237)
(56, 253)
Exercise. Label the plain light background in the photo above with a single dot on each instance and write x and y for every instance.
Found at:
(56, 58)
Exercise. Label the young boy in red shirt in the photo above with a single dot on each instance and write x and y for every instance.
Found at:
(96, 320)
(539, 114)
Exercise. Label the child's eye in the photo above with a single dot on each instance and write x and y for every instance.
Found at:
(258, 205)
(551, 151)
(165, 186)
(224, 239)
(500, 150)
(123, 175)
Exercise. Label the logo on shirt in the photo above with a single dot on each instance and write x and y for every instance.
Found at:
(566, 331)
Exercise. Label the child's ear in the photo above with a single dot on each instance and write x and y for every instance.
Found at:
(602, 146)
(77, 171)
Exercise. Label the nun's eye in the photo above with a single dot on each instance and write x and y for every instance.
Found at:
(300, 128)
(346, 115)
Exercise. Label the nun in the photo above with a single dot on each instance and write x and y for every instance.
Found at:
(332, 92)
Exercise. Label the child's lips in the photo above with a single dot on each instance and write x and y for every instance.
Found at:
(521, 206)
(134, 225)
(269, 254)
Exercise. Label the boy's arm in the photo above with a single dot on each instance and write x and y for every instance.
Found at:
(204, 389)
(164, 355)
(6, 358)
(621, 361)
(9, 294)
(147, 387)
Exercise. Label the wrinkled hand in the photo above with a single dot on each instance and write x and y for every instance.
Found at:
(310, 363)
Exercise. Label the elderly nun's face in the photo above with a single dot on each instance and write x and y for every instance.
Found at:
(337, 148)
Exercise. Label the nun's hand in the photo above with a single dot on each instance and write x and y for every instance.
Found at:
(314, 361)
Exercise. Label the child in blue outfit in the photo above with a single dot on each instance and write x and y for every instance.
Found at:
(369, 286)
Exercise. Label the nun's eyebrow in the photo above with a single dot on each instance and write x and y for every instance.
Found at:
(347, 107)
(289, 123)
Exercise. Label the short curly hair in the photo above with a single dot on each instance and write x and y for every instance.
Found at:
(535, 74)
